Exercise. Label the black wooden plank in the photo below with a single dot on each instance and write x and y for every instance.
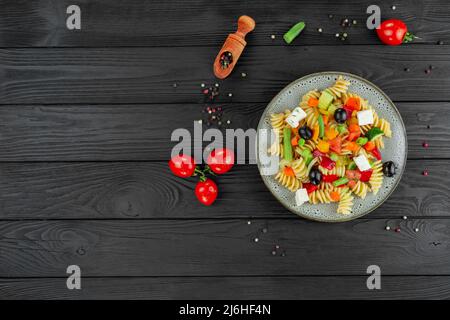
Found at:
(147, 75)
(149, 190)
(179, 288)
(222, 247)
(168, 23)
(143, 132)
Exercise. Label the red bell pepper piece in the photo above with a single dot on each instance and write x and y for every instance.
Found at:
(365, 175)
(327, 163)
(329, 177)
(310, 187)
(376, 153)
(349, 111)
(317, 153)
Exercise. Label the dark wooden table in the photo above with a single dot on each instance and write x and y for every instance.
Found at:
(85, 123)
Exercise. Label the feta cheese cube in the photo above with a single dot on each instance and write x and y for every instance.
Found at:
(365, 117)
(362, 163)
(301, 196)
(295, 117)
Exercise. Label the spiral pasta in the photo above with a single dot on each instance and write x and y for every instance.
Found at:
(289, 182)
(312, 117)
(360, 189)
(376, 179)
(310, 94)
(346, 203)
(337, 170)
(300, 169)
(340, 87)
(320, 196)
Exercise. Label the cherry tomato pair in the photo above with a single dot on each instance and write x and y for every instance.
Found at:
(219, 161)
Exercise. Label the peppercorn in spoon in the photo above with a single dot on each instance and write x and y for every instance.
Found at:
(232, 48)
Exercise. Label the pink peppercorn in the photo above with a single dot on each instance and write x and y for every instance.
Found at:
(397, 229)
(425, 172)
(425, 145)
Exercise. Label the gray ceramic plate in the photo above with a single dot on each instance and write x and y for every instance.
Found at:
(395, 147)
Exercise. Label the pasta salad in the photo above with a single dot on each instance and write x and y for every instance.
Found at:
(329, 147)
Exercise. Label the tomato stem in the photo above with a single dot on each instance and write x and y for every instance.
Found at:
(202, 173)
(409, 37)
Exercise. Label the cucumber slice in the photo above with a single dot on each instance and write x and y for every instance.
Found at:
(325, 100)
(374, 133)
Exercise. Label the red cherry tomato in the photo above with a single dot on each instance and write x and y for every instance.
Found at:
(206, 192)
(365, 175)
(182, 165)
(220, 160)
(310, 187)
(393, 32)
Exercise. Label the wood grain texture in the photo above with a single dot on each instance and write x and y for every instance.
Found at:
(143, 132)
(149, 190)
(222, 247)
(160, 23)
(277, 288)
(147, 75)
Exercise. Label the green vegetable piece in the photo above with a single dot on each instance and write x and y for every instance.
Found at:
(340, 181)
(307, 156)
(341, 128)
(293, 32)
(352, 166)
(332, 108)
(287, 144)
(334, 157)
(325, 99)
(301, 142)
(321, 126)
(374, 133)
(362, 141)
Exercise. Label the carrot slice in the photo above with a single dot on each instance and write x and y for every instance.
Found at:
(289, 171)
(313, 102)
(351, 146)
(335, 196)
(294, 141)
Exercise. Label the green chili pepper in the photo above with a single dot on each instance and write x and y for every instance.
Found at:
(362, 141)
(352, 166)
(321, 126)
(340, 181)
(293, 32)
(287, 144)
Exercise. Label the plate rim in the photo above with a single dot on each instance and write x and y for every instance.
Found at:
(405, 157)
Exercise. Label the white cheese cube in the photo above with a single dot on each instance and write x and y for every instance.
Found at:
(362, 163)
(365, 117)
(295, 117)
(301, 196)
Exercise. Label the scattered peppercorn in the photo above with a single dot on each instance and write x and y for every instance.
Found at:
(440, 42)
(256, 239)
(243, 74)
(416, 229)
(431, 67)
(405, 217)
(397, 229)
(427, 71)
(337, 35)
(393, 7)
(226, 58)
(425, 145)
(406, 69)
(330, 16)
(388, 228)
(274, 253)
(319, 30)
(354, 22)
(272, 37)
(425, 172)
(174, 85)
(264, 230)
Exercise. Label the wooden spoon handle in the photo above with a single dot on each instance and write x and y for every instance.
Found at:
(245, 25)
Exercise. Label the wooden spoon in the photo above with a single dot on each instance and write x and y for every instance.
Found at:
(235, 44)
